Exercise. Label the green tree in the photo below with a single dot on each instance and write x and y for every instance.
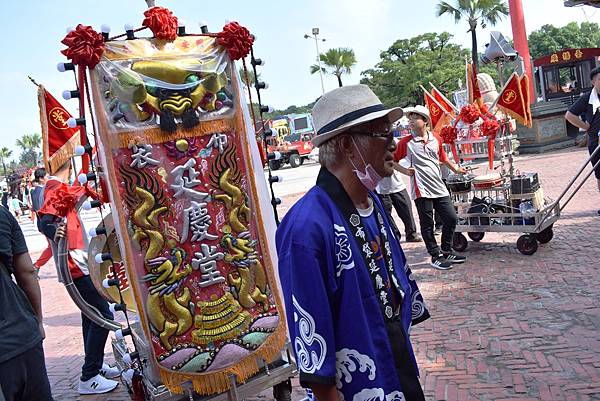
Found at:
(476, 12)
(550, 39)
(336, 62)
(408, 63)
(29, 145)
(5, 154)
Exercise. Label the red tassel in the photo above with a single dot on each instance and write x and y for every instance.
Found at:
(491, 146)
(454, 152)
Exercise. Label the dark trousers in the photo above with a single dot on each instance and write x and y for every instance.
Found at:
(592, 145)
(94, 336)
(400, 201)
(444, 207)
(403, 362)
(24, 377)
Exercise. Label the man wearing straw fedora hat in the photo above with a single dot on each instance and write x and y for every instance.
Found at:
(350, 296)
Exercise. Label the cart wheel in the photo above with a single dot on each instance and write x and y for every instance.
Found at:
(476, 236)
(459, 242)
(545, 235)
(283, 391)
(527, 244)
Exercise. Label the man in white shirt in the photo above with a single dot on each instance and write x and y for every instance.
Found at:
(392, 192)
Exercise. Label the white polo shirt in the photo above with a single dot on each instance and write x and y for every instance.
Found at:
(391, 184)
(425, 157)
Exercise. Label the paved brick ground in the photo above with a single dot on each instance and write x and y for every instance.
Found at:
(505, 326)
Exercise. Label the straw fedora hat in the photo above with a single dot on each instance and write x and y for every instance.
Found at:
(346, 107)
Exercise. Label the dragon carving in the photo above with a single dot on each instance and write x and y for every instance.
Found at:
(250, 279)
(168, 304)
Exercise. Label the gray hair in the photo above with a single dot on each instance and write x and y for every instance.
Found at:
(330, 152)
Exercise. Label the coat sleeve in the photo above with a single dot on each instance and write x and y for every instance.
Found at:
(307, 289)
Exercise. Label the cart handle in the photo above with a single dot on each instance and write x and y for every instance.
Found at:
(594, 153)
(582, 182)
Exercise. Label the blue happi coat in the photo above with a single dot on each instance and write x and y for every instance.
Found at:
(334, 316)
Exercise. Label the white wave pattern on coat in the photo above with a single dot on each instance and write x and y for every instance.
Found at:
(343, 252)
(310, 347)
(349, 361)
(377, 394)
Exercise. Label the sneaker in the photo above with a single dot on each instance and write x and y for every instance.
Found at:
(97, 385)
(110, 372)
(440, 263)
(414, 238)
(454, 258)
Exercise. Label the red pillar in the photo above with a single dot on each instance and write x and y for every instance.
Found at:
(517, 20)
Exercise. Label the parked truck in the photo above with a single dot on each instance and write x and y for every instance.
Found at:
(292, 135)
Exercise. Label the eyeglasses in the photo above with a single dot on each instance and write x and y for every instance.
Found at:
(388, 135)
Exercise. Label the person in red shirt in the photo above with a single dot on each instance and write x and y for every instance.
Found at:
(95, 375)
(420, 156)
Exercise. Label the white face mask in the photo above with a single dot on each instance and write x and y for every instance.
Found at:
(369, 178)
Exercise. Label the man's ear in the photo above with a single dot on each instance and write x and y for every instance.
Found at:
(346, 145)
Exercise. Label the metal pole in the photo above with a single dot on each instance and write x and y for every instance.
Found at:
(597, 165)
(500, 68)
(319, 62)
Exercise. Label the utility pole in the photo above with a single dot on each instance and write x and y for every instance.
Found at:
(315, 36)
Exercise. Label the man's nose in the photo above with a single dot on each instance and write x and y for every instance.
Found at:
(392, 145)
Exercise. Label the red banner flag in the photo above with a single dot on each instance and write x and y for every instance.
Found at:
(442, 100)
(438, 116)
(524, 82)
(473, 87)
(59, 141)
(511, 100)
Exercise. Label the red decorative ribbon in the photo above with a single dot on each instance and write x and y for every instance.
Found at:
(490, 128)
(469, 114)
(161, 22)
(60, 200)
(84, 46)
(449, 135)
(236, 39)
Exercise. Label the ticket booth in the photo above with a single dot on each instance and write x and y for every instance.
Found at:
(565, 74)
(560, 78)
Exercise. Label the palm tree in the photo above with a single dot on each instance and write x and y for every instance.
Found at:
(36, 141)
(5, 153)
(476, 12)
(30, 144)
(337, 62)
(250, 79)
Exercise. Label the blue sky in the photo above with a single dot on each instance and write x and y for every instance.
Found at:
(31, 32)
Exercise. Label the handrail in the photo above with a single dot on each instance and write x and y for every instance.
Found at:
(64, 275)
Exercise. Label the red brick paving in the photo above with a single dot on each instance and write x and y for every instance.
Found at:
(504, 326)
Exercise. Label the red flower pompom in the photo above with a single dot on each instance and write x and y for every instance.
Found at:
(490, 127)
(64, 200)
(161, 22)
(84, 46)
(236, 39)
(469, 114)
(449, 134)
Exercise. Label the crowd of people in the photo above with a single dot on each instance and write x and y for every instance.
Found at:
(22, 368)
(348, 290)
